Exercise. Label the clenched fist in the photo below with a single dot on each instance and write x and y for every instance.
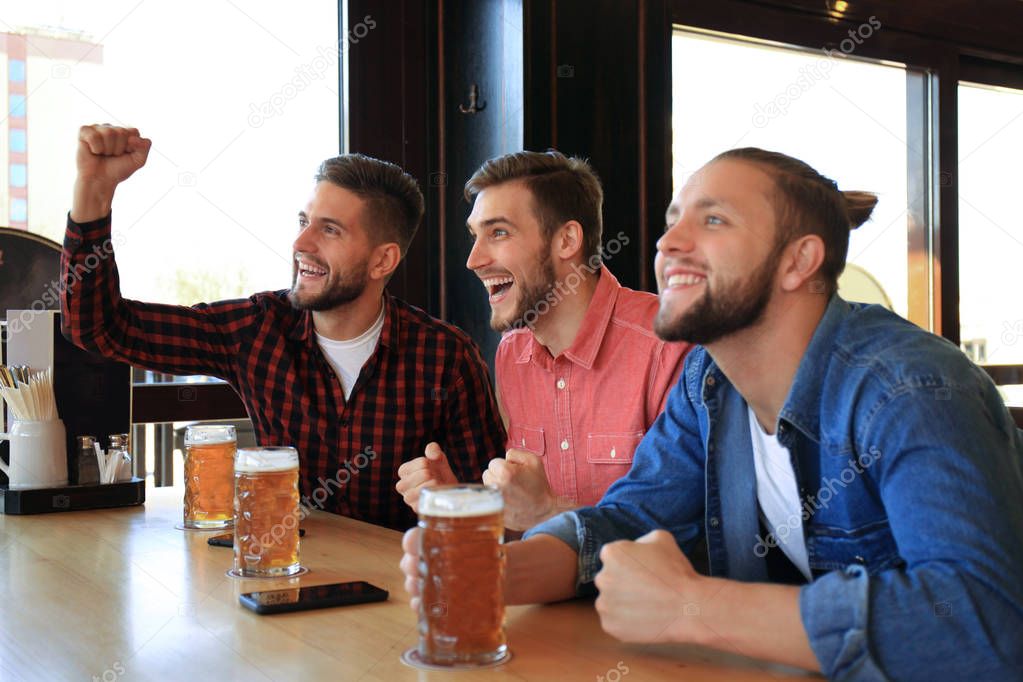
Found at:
(107, 156)
(424, 472)
(528, 498)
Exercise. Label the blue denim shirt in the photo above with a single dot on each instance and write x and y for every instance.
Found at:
(909, 469)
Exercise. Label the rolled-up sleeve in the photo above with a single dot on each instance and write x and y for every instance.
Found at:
(949, 477)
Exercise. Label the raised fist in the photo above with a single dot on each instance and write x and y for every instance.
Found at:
(109, 155)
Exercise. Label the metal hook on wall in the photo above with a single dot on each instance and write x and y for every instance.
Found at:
(475, 105)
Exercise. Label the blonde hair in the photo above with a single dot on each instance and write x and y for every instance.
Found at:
(810, 203)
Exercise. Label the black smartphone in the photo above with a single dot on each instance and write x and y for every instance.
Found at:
(227, 539)
(313, 597)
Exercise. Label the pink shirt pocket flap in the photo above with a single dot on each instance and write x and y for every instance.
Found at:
(612, 448)
(525, 438)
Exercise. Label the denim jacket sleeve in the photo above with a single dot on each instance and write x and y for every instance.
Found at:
(663, 490)
(949, 478)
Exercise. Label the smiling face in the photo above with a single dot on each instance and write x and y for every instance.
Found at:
(510, 253)
(717, 260)
(332, 250)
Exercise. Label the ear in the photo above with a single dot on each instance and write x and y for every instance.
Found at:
(567, 241)
(801, 263)
(384, 260)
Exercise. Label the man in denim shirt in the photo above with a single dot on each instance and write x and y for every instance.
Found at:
(889, 544)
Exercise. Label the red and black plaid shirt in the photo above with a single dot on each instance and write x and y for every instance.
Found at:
(425, 382)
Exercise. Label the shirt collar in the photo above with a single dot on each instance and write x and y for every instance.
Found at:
(590, 336)
(303, 329)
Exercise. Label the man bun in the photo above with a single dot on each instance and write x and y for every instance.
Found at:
(859, 206)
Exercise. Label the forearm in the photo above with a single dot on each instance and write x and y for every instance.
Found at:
(539, 570)
(95, 317)
(758, 620)
(91, 200)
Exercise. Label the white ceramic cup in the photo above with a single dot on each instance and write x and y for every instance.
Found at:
(38, 454)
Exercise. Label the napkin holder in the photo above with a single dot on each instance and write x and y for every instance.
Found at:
(93, 396)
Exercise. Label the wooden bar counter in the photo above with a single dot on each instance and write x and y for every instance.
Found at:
(121, 594)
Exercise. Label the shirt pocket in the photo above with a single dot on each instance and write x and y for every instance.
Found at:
(871, 546)
(609, 456)
(526, 438)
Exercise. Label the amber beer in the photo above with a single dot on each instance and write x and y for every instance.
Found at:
(266, 512)
(461, 615)
(209, 479)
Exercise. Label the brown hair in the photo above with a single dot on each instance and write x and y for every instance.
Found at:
(393, 200)
(810, 203)
(564, 188)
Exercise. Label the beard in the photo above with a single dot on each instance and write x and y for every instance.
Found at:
(737, 306)
(337, 292)
(532, 293)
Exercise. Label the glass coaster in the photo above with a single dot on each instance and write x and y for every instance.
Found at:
(236, 573)
(411, 659)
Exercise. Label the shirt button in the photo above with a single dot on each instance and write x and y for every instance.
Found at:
(561, 383)
(710, 381)
(564, 445)
(613, 453)
(714, 522)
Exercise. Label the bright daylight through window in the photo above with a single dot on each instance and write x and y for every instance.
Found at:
(241, 105)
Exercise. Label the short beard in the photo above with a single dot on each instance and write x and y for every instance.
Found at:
(343, 291)
(531, 297)
(712, 318)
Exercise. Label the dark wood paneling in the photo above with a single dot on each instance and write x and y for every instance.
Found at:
(483, 47)
(391, 116)
(1005, 375)
(585, 62)
(978, 27)
(946, 291)
(179, 402)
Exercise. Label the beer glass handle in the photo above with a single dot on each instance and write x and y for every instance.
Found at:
(3, 467)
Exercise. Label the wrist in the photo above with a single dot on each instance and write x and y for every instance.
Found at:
(92, 200)
(692, 624)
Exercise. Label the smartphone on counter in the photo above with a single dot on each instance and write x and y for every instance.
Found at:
(312, 597)
(227, 539)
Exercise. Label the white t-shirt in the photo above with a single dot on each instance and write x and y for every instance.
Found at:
(348, 357)
(778, 495)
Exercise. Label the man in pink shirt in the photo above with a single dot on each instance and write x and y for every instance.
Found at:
(580, 373)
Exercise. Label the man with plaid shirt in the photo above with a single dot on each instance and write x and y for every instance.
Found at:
(357, 380)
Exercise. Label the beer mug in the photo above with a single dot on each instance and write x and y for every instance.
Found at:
(266, 513)
(461, 562)
(209, 476)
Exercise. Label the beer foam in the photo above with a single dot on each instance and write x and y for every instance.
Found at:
(212, 440)
(209, 434)
(265, 460)
(459, 502)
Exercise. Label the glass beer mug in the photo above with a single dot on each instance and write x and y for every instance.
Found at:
(209, 476)
(266, 508)
(461, 613)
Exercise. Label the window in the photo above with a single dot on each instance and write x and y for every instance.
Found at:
(19, 176)
(19, 210)
(16, 106)
(16, 70)
(990, 226)
(242, 106)
(844, 116)
(18, 140)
